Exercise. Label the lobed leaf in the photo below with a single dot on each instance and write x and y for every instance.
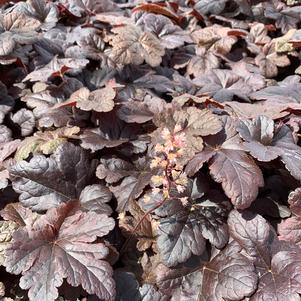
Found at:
(57, 246)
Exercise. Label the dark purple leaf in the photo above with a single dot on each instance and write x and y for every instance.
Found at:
(46, 182)
(57, 67)
(130, 188)
(228, 275)
(171, 36)
(290, 229)
(135, 112)
(180, 236)
(210, 7)
(223, 85)
(277, 265)
(57, 246)
(26, 121)
(6, 103)
(231, 166)
(236, 277)
(286, 17)
(114, 169)
(265, 145)
(288, 93)
(94, 198)
(184, 232)
(46, 13)
(239, 175)
(83, 7)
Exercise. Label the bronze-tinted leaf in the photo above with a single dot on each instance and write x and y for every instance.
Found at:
(239, 175)
(57, 246)
(170, 35)
(130, 188)
(25, 120)
(94, 198)
(132, 46)
(277, 264)
(290, 228)
(100, 100)
(230, 165)
(57, 67)
(7, 228)
(44, 183)
(265, 145)
(114, 169)
(228, 275)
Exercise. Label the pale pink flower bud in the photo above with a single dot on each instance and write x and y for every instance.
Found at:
(163, 163)
(180, 188)
(165, 134)
(179, 140)
(159, 148)
(155, 162)
(184, 201)
(177, 128)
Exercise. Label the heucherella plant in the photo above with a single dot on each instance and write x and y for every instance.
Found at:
(150, 150)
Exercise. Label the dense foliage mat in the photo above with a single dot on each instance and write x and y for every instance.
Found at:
(150, 150)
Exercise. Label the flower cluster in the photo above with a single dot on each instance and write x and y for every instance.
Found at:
(167, 153)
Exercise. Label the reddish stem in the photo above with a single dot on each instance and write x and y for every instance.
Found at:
(170, 183)
(125, 245)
